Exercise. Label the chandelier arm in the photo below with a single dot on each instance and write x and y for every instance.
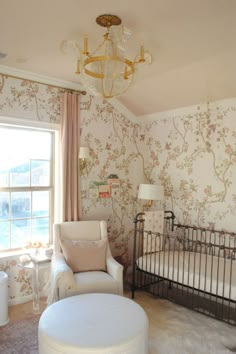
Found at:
(97, 49)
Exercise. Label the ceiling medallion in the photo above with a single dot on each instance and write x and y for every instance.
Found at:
(108, 20)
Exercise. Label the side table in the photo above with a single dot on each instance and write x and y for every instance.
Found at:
(35, 263)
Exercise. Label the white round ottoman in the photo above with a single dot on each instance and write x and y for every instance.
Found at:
(93, 323)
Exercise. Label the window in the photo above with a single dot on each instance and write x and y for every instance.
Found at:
(26, 188)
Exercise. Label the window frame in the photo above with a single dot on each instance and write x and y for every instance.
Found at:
(50, 188)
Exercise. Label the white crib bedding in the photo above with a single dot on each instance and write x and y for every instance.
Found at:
(200, 271)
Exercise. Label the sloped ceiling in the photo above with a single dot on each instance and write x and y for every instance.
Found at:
(192, 43)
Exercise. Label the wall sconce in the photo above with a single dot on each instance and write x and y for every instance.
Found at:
(83, 156)
(150, 192)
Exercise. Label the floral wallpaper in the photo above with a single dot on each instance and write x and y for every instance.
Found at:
(192, 152)
(20, 279)
(109, 135)
(194, 156)
(28, 100)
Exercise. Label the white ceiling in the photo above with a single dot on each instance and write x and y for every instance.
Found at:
(193, 44)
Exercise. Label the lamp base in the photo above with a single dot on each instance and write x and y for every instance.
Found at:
(148, 205)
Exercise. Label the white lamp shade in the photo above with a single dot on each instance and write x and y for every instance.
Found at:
(83, 152)
(151, 192)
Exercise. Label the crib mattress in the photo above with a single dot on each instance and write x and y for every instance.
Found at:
(208, 273)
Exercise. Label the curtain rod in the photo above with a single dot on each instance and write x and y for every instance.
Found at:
(43, 83)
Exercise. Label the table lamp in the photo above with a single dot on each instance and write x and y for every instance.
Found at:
(150, 192)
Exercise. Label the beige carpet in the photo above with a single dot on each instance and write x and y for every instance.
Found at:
(172, 330)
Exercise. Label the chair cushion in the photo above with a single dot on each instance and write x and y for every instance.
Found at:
(93, 282)
(82, 256)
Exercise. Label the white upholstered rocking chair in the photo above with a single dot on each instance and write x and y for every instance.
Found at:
(82, 261)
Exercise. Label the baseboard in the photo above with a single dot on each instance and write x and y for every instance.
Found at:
(20, 300)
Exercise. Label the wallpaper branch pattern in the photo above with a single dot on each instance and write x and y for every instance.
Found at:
(29, 100)
(198, 163)
(110, 143)
(192, 154)
(136, 136)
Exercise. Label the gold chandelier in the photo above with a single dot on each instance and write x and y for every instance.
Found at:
(106, 71)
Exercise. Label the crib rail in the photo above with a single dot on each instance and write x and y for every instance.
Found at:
(194, 267)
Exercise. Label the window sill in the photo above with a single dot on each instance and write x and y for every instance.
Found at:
(10, 254)
(13, 254)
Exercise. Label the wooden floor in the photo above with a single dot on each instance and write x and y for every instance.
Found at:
(25, 310)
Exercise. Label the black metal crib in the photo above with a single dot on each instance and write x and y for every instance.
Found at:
(192, 266)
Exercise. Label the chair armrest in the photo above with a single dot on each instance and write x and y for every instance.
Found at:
(59, 264)
(61, 277)
(115, 269)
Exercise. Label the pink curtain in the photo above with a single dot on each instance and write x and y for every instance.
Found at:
(70, 142)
